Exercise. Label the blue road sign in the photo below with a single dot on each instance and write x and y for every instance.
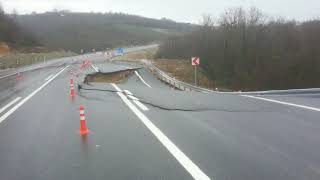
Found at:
(120, 51)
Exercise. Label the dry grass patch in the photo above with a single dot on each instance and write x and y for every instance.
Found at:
(14, 60)
(136, 56)
(4, 49)
(177, 68)
(183, 71)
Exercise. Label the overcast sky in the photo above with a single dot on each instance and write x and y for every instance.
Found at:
(178, 10)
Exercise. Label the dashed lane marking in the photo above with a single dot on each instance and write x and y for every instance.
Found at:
(12, 110)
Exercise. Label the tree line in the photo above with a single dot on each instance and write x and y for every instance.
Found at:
(246, 50)
(75, 31)
(11, 33)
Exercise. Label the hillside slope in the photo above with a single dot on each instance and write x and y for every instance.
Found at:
(12, 35)
(86, 31)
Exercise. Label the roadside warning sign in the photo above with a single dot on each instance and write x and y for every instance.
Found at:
(195, 61)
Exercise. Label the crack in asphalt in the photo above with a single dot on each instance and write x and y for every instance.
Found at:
(80, 88)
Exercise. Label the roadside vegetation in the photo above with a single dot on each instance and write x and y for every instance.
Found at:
(19, 47)
(12, 35)
(180, 69)
(14, 60)
(86, 31)
(138, 55)
(246, 50)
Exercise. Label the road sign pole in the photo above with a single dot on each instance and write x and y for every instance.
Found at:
(195, 61)
(195, 76)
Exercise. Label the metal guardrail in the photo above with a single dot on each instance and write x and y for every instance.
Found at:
(172, 81)
(31, 67)
(185, 86)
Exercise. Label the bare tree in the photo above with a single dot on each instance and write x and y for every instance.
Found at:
(248, 50)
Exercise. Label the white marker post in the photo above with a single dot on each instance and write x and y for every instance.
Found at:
(195, 61)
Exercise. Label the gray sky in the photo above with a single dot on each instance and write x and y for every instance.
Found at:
(178, 10)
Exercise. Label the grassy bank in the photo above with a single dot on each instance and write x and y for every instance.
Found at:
(21, 59)
(134, 56)
(181, 69)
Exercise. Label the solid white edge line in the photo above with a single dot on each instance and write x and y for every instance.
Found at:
(142, 106)
(192, 168)
(9, 104)
(12, 110)
(49, 77)
(128, 92)
(144, 82)
(284, 103)
(8, 75)
(132, 97)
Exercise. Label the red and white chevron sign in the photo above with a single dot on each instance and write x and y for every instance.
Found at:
(195, 61)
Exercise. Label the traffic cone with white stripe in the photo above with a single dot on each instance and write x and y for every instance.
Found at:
(72, 93)
(83, 127)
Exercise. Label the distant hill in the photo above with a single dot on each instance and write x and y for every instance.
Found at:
(12, 35)
(86, 31)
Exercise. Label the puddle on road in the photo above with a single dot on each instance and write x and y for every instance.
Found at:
(112, 77)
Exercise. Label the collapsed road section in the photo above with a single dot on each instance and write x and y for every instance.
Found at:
(110, 77)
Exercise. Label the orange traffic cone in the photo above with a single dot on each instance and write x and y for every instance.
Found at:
(82, 65)
(19, 76)
(72, 93)
(83, 127)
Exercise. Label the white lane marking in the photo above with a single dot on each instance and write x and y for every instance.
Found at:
(9, 104)
(12, 110)
(142, 79)
(192, 168)
(8, 75)
(95, 68)
(49, 77)
(128, 92)
(282, 102)
(132, 97)
(142, 106)
(136, 100)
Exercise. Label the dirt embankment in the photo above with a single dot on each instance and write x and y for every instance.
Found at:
(4, 49)
(112, 77)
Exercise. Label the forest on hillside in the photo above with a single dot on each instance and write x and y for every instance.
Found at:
(87, 31)
(82, 32)
(12, 34)
(246, 50)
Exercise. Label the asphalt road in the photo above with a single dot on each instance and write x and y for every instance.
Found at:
(155, 133)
